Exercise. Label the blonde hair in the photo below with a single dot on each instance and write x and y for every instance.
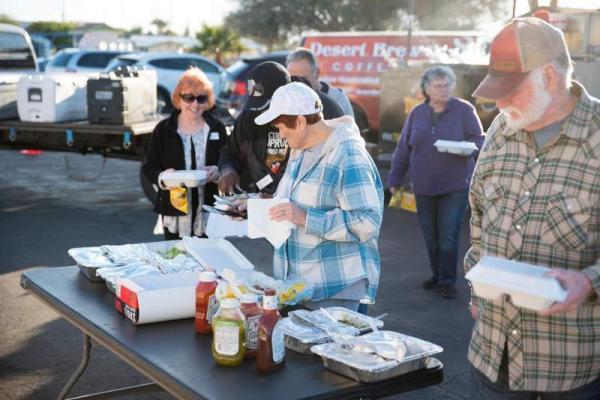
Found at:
(193, 80)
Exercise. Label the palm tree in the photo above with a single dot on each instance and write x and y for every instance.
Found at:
(218, 41)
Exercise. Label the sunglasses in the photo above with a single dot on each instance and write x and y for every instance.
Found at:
(189, 98)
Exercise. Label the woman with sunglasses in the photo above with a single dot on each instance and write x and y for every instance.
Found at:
(190, 139)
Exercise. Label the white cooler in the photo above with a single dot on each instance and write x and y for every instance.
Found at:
(52, 97)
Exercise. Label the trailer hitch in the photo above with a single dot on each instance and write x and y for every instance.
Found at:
(70, 138)
(126, 140)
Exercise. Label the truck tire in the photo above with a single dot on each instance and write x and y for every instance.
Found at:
(163, 101)
(148, 187)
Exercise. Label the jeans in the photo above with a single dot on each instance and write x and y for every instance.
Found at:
(483, 388)
(441, 218)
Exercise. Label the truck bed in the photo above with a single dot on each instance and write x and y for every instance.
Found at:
(119, 141)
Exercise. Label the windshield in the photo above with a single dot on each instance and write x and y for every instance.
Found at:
(15, 52)
(61, 59)
(237, 69)
(119, 62)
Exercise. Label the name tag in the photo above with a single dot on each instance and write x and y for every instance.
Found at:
(214, 136)
(264, 182)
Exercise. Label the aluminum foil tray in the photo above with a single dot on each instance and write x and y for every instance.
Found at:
(98, 263)
(301, 333)
(369, 367)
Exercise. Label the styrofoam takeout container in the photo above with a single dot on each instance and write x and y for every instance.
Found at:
(526, 284)
(183, 178)
(216, 254)
(462, 148)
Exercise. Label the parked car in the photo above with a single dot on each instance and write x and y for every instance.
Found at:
(17, 58)
(234, 90)
(80, 60)
(43, 50)
(169, 67)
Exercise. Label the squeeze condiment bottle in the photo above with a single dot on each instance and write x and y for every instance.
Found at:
(229, 334)
(206, 301)
(252, 312)
(270, 355)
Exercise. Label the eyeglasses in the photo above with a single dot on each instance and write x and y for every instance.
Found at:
(189, 98)
(441, 86)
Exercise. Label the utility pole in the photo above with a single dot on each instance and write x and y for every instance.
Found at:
(411, 12)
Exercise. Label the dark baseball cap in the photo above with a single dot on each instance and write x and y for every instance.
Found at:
(521, 46)
(263, 80)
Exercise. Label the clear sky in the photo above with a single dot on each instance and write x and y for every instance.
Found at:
(122, 13)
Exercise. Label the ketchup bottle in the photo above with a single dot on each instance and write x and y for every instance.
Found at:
(252, 313)
(206, 302)
(270, 355)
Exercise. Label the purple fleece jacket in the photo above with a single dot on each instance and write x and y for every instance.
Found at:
(431, 172)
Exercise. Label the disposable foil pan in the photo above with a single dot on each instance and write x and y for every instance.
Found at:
(89, 260)
(366, 367)
(93, 259)
(301, 335)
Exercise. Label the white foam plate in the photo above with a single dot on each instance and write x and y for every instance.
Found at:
(184, 178)
(526, 284)
(462, 148)
(216, 254)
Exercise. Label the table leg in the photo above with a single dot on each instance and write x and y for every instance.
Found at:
(85, 358)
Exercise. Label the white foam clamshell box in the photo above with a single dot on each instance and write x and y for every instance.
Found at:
(216, 254)
(162, 297)
(526, 284)
(463, 148)
(52, 97)
(183, 178)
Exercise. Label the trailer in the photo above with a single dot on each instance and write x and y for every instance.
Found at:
(117, 141)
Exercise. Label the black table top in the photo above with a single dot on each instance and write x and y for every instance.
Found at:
(178, 359)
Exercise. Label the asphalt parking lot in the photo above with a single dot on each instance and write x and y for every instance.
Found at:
(55, 201)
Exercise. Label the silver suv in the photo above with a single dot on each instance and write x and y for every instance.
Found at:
(79, 60)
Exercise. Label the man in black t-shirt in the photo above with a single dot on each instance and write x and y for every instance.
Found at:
(256, 153)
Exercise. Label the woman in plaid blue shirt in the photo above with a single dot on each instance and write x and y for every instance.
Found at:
(336, 202)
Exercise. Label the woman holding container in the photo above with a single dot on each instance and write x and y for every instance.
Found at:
(189, 139)
(440, 180)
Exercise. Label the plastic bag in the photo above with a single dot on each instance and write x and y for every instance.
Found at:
(404, 200)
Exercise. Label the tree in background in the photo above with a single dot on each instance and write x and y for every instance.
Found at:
(58, 32)
(162, 27)
(136, 30)
(219, 42)
(5, 19)
(463, 14)
(273, 22)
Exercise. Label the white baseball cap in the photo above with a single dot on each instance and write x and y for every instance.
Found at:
(292, 99)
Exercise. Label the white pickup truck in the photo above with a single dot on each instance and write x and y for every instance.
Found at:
(17, 58)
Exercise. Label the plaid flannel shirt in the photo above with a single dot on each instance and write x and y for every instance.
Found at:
(539, 206)
(343, 196)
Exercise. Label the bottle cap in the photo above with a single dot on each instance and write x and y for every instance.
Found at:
(207, 276)
(249, 298)
(230, 303)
